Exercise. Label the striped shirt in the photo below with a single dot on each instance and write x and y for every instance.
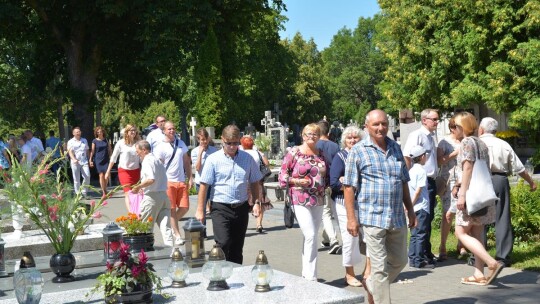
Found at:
(378, 178)
(230, 177)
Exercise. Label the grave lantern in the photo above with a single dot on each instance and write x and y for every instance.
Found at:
(3, 272)
(178, 269)
(217, 269)
(112, 239)
(27, 281)
(262, 273)
(193, 230)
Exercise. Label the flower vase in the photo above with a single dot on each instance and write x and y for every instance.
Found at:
(63, 264)
(141, 294)
(138, 242)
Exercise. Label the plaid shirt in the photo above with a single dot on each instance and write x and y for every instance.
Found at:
(378, 178)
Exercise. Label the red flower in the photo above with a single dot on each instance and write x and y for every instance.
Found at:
(143, 258)
(43, 201)
(109, 266)
(53, 213)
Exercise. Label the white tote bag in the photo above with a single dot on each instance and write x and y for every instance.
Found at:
(481, 193)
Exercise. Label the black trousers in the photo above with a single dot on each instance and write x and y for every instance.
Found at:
(432, 192)
(230, 225)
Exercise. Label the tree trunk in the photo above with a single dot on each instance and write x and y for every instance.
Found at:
(60, 118)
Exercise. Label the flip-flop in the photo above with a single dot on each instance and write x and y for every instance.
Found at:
(495, 272)
(474, 281)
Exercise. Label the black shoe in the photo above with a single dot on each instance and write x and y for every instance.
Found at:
(325, 244)
(335, 249)
(423, 265)
(259, 229)
(507, 263)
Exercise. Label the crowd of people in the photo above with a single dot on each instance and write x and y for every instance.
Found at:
(375, 190)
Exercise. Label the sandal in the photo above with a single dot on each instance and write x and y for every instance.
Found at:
(353, 282)
(472, 280)
(495, 272)
(442, 257)
(259, 229)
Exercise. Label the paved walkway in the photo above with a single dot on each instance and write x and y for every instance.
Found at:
(440, 285)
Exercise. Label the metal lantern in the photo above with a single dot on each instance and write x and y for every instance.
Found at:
(262, 273)
(27, 281)
(3, 272)
(193, 230)
(217, 269)
(112, 239)
(178, 269)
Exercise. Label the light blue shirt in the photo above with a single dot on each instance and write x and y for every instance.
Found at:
(378, 178)
(419, 180)
(230, 177)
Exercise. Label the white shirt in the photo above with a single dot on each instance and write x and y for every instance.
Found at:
(129, 160)
(502, 158)
(80, 149)
(426, 139)
(36, 145)
(419, 179)
(155, 137)
(27, 149)
(152, 168)
(195, 157)
(164, 150)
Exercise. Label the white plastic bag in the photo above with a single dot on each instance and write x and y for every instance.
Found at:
(480, 193)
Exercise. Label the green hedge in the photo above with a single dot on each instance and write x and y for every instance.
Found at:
(525, 208)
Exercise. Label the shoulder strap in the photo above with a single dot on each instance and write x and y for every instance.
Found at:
(293, 151)
(173, 153)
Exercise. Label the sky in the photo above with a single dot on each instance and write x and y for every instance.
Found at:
(322, 19)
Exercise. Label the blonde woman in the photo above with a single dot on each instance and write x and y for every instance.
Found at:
(129, 163)
(306, 171)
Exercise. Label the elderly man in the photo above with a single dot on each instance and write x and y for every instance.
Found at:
(78, 150)
(156, 136)
(376, 172)
(173, 153)
(155, 202)
(502, 162)
(35, 143)
(230, 172)
(425, 137)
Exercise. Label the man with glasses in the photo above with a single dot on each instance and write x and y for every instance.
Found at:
(157, 136)
(230, 172)
(425, 137)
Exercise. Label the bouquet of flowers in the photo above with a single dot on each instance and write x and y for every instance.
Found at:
(134, 224)
(49, 202)
(128, 274)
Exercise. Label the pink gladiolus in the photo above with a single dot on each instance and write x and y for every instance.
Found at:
(43, 201)
(97, 215)
(41, 172)
(53, 213)
(92, 203)
(105, 203)
(32, 179)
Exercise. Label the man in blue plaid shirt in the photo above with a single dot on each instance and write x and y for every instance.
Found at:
(375, 170)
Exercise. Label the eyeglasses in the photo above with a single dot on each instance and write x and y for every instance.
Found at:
(231, 143)
(312, 135)
(433, 119)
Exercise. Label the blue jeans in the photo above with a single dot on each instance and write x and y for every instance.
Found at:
(419, 239)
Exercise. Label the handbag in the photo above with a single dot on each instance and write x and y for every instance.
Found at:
(265, 171)
(288, 214)
(480, 194)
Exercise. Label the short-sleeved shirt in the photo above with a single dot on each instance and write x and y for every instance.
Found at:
(419, 180)
(314, 168)
(155, 137)
(195, 157)
(164, 151)
(37, 146)
(26, 149)
(129, 160)
(80, 149)
(54, 143)
(152, 168)
(502, 158)
(230, 177)
(378, 178)
(426, 139)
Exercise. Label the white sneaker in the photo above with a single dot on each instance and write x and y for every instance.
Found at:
(179, 241)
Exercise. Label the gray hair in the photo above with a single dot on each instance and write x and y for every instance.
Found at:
(351, 130)
(426, 112)
(143, 145)
(489, 125)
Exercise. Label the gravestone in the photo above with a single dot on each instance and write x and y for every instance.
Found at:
(279, 142)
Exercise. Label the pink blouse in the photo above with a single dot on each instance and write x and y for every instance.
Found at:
(311, 167)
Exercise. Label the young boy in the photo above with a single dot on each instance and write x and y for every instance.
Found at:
(420, 200)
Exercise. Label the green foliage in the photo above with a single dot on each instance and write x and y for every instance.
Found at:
(134, 224)
(449, 54)
(49, 202)
(263, 142)
(525, 212)
(354, 65)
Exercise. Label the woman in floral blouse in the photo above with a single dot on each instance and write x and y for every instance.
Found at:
(306, 171)
(470, 229)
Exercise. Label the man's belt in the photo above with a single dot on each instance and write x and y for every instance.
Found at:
(234, 205)
(499, 174)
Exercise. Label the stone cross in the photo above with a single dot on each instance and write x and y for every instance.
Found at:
(193, 124)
